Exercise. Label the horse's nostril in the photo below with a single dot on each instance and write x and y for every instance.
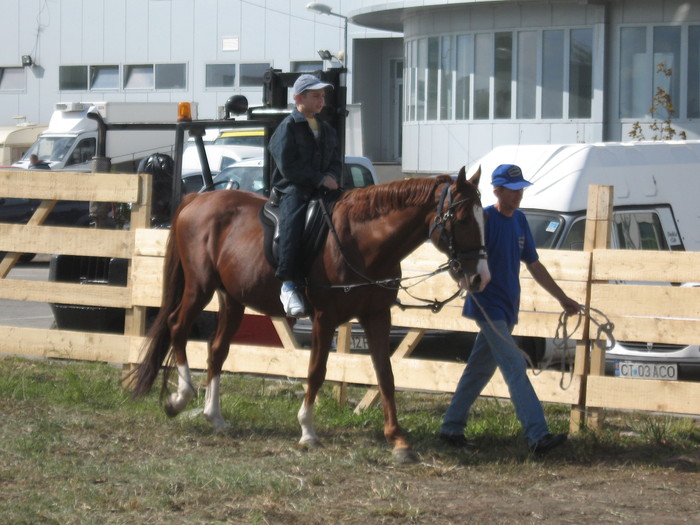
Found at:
(476, 282)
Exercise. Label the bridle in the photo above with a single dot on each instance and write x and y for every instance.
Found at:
(446, 218)
(442, 220)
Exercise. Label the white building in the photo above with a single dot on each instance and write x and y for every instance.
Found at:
(440, 82)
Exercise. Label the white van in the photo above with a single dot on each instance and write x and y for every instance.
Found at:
(70, 141)
(656, 185)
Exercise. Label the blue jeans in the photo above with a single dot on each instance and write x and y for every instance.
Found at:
(494, 346)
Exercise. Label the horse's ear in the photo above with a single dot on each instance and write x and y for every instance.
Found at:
(461, 176)
(475, 178)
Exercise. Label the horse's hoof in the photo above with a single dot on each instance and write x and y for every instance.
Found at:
(218, 423)
(310, 444)
(405, 456)
(170, 410)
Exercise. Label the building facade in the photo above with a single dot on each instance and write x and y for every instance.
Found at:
(478, 74)
(440, 83)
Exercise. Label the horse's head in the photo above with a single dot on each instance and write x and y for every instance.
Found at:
(458, 231)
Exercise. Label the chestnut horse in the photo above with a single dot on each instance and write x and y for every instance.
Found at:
(216, 245)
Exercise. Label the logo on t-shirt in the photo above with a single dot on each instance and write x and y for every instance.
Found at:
(521, 242)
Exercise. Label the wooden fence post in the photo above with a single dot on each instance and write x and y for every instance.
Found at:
(590, 359)
(342, 346)
(135, 317)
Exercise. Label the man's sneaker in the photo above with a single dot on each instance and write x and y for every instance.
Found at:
(292, 301)
(547, 443)
(455, 440)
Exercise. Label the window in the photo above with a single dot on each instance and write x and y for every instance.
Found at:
(356, 176)
(12, 79)
(694, 72)
(252, 74)
(104, 77)
(71, 78)
(421, 78)
(306, 67)
(465, 65)
(545, 227)
(412, 79)
(171, 76)
(667, 51)
(553, 74)
(526, 103)
(83, 152)
(432, 77)
(639, 230)
(502, 75)
(650, 61)
(580, 73)
(635, 87)
(138, 76)
(483, 53)
(220, 75)
(446, 67)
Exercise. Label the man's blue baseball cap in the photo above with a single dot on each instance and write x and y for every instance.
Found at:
(509, 176)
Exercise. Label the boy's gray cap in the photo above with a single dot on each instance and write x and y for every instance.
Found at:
(306, 82)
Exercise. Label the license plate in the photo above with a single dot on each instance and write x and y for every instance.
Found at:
(630, 369)
(357, 342)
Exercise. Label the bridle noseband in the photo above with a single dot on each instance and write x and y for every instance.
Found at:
(447, 236)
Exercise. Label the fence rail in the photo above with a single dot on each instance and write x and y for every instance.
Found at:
(642, 311)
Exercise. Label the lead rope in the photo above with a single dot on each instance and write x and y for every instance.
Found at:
(562, 339)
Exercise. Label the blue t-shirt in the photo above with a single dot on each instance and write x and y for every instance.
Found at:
(508, 241)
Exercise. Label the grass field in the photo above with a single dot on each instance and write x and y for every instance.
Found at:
(74, 449)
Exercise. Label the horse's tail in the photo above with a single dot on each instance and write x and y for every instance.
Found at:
(158, 340)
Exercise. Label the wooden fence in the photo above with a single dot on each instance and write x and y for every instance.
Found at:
(640, 312)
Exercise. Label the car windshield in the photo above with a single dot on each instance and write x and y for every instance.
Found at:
(249, 178)
(545, 227)
(50, 148)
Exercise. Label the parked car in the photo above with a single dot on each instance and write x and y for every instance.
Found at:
(248, 175)
(241, 137)
(65, 213)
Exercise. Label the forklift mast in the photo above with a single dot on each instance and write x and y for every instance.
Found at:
(276, 106)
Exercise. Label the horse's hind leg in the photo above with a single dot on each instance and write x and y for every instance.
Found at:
(321, 338)
(181, 321)
(230, 316)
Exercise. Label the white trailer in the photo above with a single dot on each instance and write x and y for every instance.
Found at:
(70, 141)
(16, 140)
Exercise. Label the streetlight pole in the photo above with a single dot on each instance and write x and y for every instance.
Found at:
(341, 94)
(324, 9)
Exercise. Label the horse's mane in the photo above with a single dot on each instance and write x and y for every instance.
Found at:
(372, 202)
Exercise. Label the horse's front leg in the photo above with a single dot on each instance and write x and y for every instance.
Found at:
(377, 329)
(321, 337)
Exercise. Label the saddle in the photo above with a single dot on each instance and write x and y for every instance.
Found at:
(316, 226)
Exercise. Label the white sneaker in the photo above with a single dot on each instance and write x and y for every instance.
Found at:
(292, 301)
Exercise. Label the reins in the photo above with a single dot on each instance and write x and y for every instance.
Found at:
(562, 337)
(453, 264)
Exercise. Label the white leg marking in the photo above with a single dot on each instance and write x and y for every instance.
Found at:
(306, 420)
(482, 266)
(185, 391)
(212, 410)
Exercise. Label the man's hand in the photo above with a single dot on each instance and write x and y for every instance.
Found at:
(329, 182)
(570, 306)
